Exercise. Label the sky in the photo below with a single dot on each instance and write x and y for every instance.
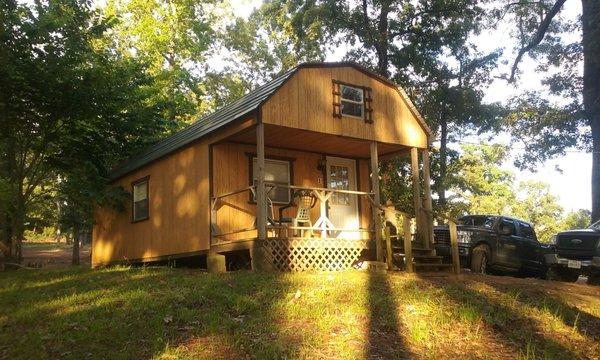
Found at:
(569, 176)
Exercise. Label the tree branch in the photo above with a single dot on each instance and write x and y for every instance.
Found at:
(538, 37)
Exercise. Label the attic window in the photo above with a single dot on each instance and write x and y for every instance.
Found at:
(351, 101)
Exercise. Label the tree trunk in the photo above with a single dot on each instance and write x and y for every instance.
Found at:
(76, 233)
(441, 183)
(18, 229)
(591, 90)
(381, 44)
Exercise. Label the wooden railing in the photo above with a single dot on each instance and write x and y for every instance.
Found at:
(453, 239)
(323, 224)
(216, 202)
(391, 215)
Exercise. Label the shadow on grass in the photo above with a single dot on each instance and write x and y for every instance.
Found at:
(515, 330)
(583, 322)
(144, 313)
(385, 339)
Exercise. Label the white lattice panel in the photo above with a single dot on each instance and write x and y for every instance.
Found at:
(302, 254)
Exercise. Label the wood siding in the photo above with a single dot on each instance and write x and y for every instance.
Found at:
(179, 208)
(232, 172)
(305, 101)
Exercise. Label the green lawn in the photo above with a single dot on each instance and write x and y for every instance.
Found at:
(135, 313)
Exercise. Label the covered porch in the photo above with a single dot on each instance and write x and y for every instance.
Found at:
(326, 215)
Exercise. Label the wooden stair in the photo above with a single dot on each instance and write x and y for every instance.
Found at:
(424, 260)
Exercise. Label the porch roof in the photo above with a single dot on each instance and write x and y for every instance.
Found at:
(304, 140)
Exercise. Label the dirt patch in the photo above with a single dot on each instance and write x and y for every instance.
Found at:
(52, 256)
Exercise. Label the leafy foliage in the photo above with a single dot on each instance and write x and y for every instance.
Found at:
(71, 108)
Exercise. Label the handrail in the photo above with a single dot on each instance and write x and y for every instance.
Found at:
(294, 187)
(220, 196)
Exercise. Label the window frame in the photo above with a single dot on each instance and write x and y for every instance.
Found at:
(135, 183)
(362, 103)
(280, 159)
(511, 221)
(522, 225)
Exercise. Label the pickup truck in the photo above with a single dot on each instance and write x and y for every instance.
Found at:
(576, 252)
(489, 243)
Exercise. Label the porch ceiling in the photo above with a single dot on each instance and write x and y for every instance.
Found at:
(304, 140)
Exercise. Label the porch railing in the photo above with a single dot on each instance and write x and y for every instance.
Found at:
(216, 202)
(323, 225)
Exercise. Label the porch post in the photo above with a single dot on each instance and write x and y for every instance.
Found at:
(414, 157)
(376, 198)
(428, 206)
(261, 197)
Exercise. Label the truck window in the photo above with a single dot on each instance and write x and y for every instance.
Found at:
(526, 231)
(485, 221)
(506, 223)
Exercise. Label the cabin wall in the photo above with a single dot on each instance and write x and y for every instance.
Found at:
(179, 217)
(179, 203)
(231, 162)
(305, 101)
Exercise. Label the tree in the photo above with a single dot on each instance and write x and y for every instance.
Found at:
(173, 37)
(451, 97)
(539, 24)
(537, 205)
(481, 183)
(416, 44)
(579, 219)
(66, 102)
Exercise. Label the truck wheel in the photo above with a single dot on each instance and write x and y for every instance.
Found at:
(593, 279)
(480, 259)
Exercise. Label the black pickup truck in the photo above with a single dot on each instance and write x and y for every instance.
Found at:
(576, 252)
(488, 243)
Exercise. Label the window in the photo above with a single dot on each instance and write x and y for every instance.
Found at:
(526, 231)
(485, 221)
(507, 224)
(340, 181)
(352, 101)
(278, 172)
(140, 200)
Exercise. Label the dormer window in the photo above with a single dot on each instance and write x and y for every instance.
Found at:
(352, 101)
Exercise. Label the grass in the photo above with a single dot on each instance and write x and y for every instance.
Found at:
(164, 313)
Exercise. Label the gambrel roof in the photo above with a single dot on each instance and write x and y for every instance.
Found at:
(238, 109)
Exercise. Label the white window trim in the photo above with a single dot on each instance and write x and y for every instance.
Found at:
(361, 103)
(289, 176)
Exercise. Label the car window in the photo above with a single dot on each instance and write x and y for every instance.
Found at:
(506, 223)
(485, 221)
(526, 231)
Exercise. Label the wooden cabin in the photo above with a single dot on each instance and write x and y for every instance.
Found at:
(286, 177)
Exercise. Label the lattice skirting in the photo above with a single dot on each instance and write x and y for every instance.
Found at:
(301, 254)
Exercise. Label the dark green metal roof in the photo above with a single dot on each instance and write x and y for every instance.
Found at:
(223, 116)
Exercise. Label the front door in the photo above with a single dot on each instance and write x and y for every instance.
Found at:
(343, 208)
